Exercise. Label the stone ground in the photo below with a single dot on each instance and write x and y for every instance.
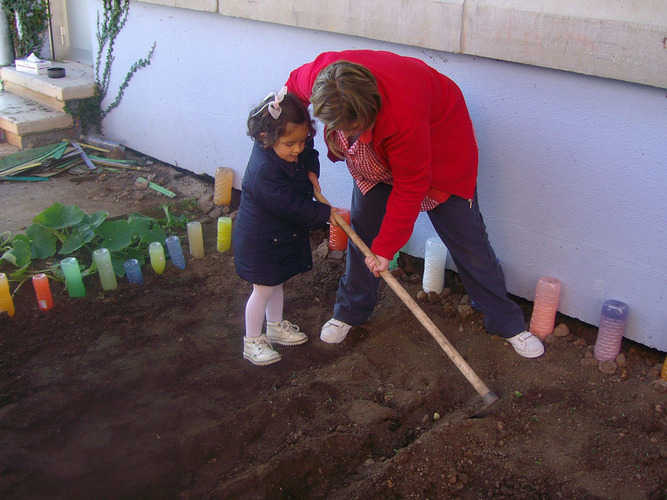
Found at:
(142, 392)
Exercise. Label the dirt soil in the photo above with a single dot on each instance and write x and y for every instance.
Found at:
(142, 392)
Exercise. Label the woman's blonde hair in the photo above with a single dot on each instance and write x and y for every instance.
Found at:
(345, 96)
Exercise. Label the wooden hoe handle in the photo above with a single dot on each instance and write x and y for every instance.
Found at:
(487, 395)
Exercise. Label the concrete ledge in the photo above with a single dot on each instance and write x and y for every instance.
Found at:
(432, 24)
(79, 82)
(624, 42)
(620, 40)
(23, 117)
(49, 102)
(204, 5)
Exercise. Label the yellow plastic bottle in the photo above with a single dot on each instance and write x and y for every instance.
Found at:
(156, 254)
(195, 239)
(6, 302)
(224, 241)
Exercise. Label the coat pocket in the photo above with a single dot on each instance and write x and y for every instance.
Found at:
(290, 247)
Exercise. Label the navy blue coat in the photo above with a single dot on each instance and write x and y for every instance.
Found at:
(271, 239)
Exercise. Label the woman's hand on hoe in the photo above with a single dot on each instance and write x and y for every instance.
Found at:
(377, 267)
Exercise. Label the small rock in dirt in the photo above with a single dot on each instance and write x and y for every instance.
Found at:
(588, 353)
(620, 360)
(323, 249)
(465, 311)
(141, 183)
(421, 295)
(433, 297)
(580, 343)
(561, 330)
(398, 272)
(465, 300)
(215, 213)
(337, 254)
(500, 426)
(549, 339)
(368, 461)
(607, 367)
(654, 372)
(446, 292)
(589, 362)
(205, 202)
(436, 416)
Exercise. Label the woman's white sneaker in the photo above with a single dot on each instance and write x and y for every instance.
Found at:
(285, 333)
(527, 345)
(259, 351)
(334, 331)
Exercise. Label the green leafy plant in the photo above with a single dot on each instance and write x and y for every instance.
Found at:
(28, 23)
(65, 230)
(89, 113)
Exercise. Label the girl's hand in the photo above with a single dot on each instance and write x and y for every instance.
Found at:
(375, 268)
(315, 181)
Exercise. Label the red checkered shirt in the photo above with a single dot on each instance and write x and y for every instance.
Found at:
(367, 170)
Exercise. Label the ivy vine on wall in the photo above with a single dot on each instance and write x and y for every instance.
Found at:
(28, 22)
(89, 113)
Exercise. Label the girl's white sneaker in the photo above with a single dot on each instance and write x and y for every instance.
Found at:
(259, 351)
(285, 333)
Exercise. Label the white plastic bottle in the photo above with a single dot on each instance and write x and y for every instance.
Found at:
(435, 258)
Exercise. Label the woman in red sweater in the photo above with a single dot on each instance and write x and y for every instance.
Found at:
(405, 134)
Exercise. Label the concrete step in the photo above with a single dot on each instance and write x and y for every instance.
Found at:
(78, 83)
(29, 124)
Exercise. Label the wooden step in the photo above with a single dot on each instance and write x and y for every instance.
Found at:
(28, 124)
(78, 83)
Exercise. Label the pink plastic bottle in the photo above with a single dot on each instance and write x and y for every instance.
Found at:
(612, 327)
(547, 295)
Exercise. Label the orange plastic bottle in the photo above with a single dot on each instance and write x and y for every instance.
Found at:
(42, 291)
(222, 192)
(338, 237)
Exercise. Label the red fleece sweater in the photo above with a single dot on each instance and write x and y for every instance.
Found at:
(423, 135)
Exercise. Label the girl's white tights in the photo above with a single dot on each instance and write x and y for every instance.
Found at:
(264, 301)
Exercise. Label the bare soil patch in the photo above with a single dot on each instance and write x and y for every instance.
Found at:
(142, 392)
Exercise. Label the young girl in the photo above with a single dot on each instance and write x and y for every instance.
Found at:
(271, 234)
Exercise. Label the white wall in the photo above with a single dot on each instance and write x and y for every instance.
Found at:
(572, 168)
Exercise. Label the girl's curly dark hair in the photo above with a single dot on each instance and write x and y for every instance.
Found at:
(266, 130)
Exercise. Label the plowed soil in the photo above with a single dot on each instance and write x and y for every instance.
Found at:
(142, 392)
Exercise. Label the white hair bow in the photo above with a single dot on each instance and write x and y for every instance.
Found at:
(274, 106)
